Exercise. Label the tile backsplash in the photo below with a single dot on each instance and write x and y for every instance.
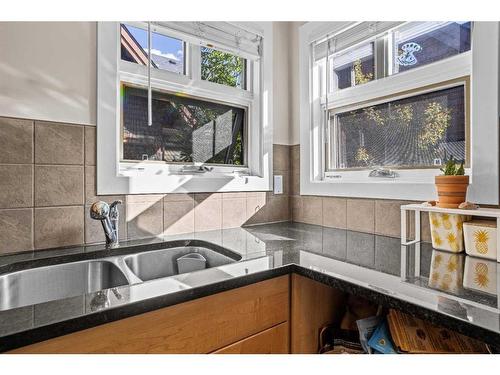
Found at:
(47, 184)
(375, 216)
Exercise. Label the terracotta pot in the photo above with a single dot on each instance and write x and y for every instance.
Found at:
(451, 190)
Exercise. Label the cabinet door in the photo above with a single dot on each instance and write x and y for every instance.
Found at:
(271, 341)
(198, 326)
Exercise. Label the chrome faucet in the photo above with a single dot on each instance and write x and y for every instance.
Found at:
(108, 215)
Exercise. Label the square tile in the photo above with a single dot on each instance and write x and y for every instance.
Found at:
(59, 226)
(335, 212)
(16, 185)
(296, 208)
(57, 143)
(388, 217)
(16, 230)
(178, 216)
(257, 212)
(145, 218)
(16, 141)
(295, 158)
(90, 145)
(281, 157)
(234, 212)
(361, 215)
(59, 185)
(207, 212)
(312, 210)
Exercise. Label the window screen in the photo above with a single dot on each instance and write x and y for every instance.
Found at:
(416, 132)
(184, 130)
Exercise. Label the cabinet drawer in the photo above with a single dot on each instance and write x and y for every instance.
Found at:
(271, 341)
(198, 326)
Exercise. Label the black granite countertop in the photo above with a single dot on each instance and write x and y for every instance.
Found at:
(375, 267)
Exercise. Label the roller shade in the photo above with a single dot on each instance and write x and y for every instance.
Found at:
(224, 36)
(351, 35)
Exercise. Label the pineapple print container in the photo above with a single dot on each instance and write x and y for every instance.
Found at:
(481, 238)
(480, 275)
(447, 231)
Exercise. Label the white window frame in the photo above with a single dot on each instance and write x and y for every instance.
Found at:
(480, 64)
(123, 177)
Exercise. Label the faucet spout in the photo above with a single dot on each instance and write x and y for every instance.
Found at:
(108, 215)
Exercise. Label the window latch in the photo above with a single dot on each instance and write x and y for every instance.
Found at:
(196, 169)
(383, 173)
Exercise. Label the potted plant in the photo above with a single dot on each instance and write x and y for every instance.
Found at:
(452, 185)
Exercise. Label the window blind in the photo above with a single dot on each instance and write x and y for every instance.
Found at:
(224, 36)
(350, 36)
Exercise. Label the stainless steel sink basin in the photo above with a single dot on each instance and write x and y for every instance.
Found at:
(55, 282)
(163, 263)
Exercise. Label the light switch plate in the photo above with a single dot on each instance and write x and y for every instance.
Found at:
(278, 184)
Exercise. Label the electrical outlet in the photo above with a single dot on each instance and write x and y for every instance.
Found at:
(278, 184)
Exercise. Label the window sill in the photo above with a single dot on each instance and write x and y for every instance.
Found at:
(150, 180)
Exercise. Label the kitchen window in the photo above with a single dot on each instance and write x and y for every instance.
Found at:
(191, 103)
(385, 104)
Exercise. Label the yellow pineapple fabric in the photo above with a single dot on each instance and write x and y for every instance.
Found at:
(447, 231)
(446, 271)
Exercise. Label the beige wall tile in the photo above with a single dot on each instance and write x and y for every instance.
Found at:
(57, 143)
(279, 208)
(90, 189)
(93, 228)
(178, 216)
(16, 141)
(295, 158)
(59, 226)
(312, 208)
(361, 215)
(16, 185)
(144, 219)
(257, 211)
(234, 212)
(295, 183)
(207, 212)
(281, 157)
(388, 217)
(296, 208)
(144, 198)
(236, 195)
(178, 197)
(16, 230)
(335, 212)
(90, 145)
(59, 185)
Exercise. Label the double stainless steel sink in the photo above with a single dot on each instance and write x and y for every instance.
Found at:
(43, 284)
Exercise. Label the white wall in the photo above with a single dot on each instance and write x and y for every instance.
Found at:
(293, 77)
(281, 92)
(48, 71)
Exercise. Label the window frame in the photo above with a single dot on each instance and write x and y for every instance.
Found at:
(115, 176)
(480, 64)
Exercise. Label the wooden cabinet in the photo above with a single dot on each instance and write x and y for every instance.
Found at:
(280, 315)
(271, 341)
(314, 305)
(200, 326)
